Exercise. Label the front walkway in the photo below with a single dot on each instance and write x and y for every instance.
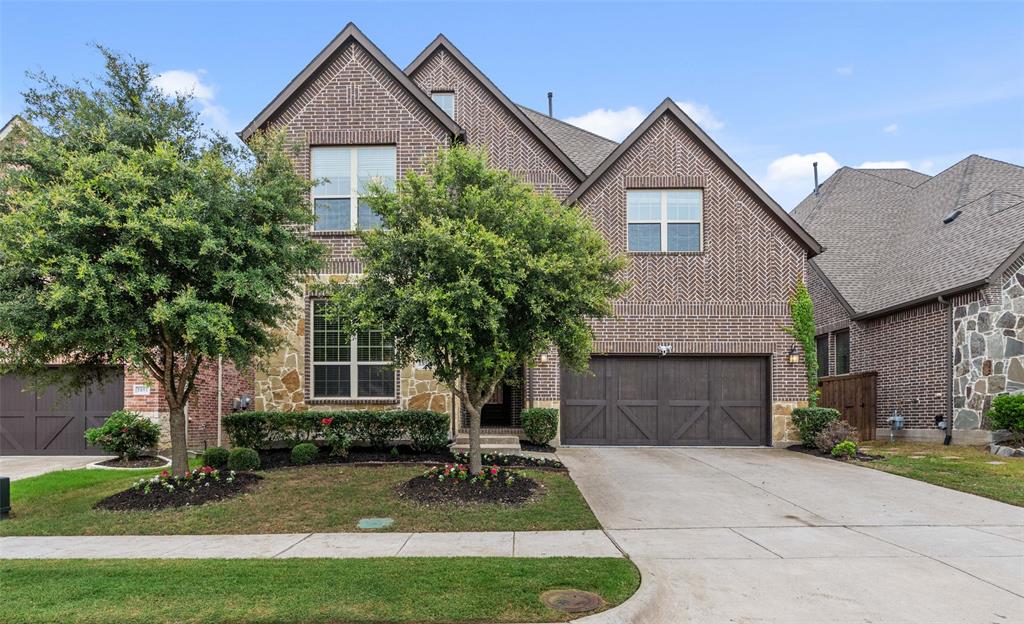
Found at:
(768, 535)
(327, 545)
(24, 466)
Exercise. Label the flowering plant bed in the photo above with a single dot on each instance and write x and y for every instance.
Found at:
(198, 486)
(453, 483)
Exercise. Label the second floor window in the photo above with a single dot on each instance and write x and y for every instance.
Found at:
(665, 220)
(345, 174)
(446, 100)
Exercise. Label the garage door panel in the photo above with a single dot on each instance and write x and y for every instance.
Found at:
(50, 422)
(679, 401)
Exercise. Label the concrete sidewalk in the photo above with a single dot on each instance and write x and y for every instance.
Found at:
(24, 466)
(313, 545)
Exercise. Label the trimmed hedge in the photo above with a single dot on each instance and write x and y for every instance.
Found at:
(540, 424)
(1008, 413)
(243, 459)
(215, 457)
(811, 420)
(304, 453)
(263, 430)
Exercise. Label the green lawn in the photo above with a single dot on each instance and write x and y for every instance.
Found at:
(292, 500)
(961, 468)
(303, 590)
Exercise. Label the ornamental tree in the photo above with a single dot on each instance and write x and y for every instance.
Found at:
(130, 235)
(475, 274)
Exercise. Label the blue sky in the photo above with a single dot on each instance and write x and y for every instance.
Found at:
(777, 85)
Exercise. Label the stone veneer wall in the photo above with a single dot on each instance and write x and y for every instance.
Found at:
(989, 350)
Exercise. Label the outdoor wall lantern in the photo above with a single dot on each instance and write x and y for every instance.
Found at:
(794, 355)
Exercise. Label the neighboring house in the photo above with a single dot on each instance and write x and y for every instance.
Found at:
(921, 281)
(697, 353)
(51, 423)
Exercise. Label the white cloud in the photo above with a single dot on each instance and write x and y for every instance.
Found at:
(845, 70)
(702, 114)
(891, 129)
(791, 178)
(613, 124)
(884, 164)
(190, 83)
(617, 124)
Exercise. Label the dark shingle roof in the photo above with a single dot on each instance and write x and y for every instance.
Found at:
(584, 148)
(885, 242)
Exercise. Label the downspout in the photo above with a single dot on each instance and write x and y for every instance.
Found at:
(949, 375)
(220, 396)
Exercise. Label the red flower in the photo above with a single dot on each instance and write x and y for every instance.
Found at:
(165, 474)
(326, 421)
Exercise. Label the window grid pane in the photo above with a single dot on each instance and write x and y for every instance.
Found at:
(331, 380)
(372, 347)
(821, 346)
(644, 237)
(683, 205)
(683, 237)
(332, 214)
(446, 101)
(643, 205)
(375, 163)
(368, 219)
(842, 352)
(376, 380)
(334, 164)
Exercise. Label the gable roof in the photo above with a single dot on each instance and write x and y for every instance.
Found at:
(585, 148)
(669, 107)
(886, 245)
(11, 124)
(442, 42)
(349, 33)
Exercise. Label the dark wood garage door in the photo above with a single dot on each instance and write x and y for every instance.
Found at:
(51, 423)
(673, 401)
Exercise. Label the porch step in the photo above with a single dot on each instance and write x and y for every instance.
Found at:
(488, 444)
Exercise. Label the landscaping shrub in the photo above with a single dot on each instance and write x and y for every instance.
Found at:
(811, 420)
(1007, 412)
(304, 453)
(336, 435)
(125, 434)
(376, 428)
(215, 457)
(846, 449)
(540, 424)
(427, 430)
(249, 429)
(243, 459)
(834, 433)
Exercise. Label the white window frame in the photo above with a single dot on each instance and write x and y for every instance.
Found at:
(664, 221)
(444, 92)
(353, 196)
(353, 364)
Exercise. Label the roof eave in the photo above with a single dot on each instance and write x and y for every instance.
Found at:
(913, 303)
(442, 41)
(349, 32)
(668, 106)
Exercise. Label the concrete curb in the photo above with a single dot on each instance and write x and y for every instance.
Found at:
(96, 465)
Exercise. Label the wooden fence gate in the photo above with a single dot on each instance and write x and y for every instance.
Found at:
(855, 397)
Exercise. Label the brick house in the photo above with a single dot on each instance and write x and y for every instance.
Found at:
(697, 353)
(921, 281)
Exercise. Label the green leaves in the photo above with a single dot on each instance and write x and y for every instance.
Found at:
(476, 273)
(802, 311)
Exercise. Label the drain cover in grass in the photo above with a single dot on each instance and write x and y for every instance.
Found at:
(375, 523)
(571, 600)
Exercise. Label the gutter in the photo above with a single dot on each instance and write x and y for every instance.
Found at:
(922, 300)
(949, 374)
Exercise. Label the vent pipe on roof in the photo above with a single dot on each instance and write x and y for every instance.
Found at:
(551, 105)
(815, 178)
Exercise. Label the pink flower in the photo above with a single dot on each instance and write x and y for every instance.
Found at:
(165, 474)
(326, 421)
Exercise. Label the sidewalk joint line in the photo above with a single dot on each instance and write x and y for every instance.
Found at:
(304, 538)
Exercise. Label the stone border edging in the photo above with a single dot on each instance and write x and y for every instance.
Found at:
(1005, 451)
(96, 465)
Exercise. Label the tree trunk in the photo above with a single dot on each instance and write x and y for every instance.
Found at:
(475, 455)
(179, 444)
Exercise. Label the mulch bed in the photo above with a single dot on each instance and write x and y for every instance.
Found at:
(282, 458)
(536, 448)
(433, 492)
(806, 450)
(159, 498)
(144, 461)
(517, 461)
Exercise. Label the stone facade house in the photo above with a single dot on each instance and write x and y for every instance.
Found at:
(921, 281)
(696, 354)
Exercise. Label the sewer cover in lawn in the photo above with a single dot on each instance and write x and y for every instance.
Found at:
(375, 523)
(571, 600)
(995, 463)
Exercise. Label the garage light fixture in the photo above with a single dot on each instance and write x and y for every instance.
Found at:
(664, 349)
(794, 355)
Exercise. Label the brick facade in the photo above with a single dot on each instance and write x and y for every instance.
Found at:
(729, 299)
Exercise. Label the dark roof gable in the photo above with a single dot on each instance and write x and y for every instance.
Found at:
(347, 34)
(442, 42)
(669, 107)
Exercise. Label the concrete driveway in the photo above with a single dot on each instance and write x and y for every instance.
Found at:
(22, 466)
(768, 535)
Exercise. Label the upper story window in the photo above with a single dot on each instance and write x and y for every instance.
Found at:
(347, 173)
(665, 220)
(446, 100)
(346, 366)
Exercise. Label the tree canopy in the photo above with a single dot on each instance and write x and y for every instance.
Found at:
(474, 273)
(131, 235)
